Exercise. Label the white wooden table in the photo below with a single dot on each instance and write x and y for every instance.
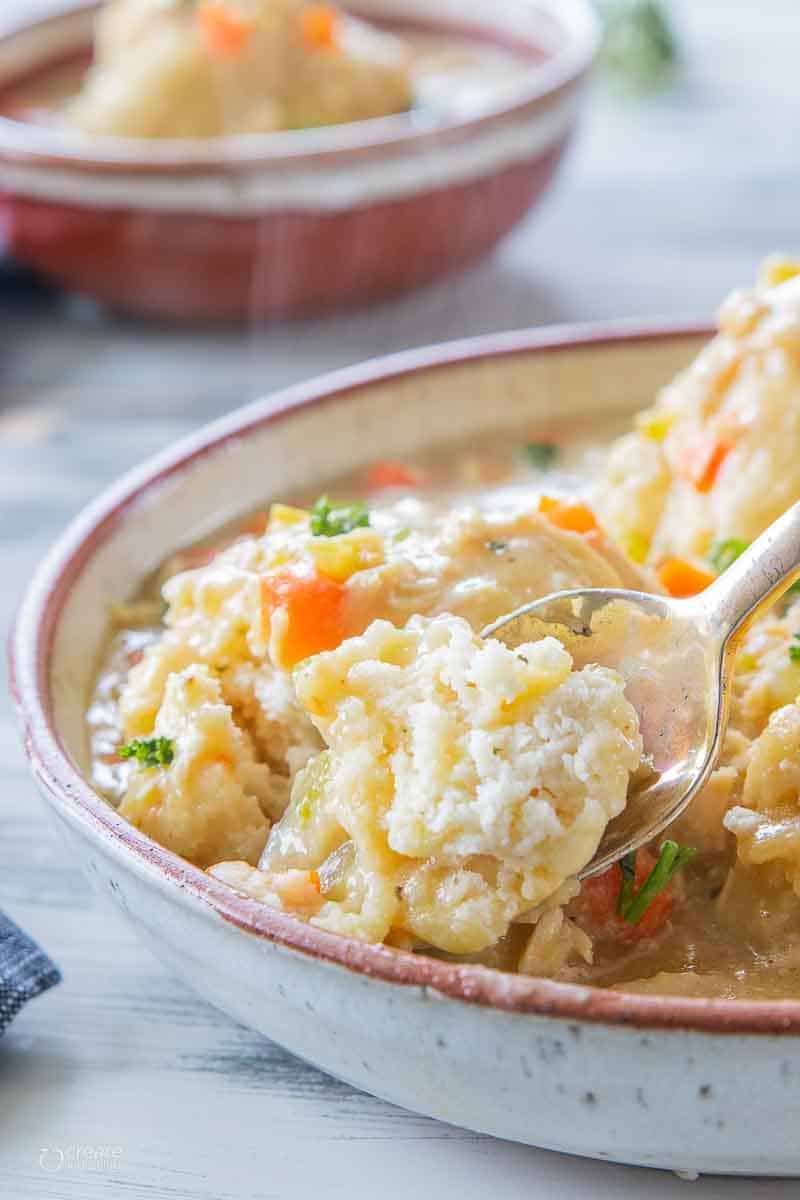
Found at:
(121, 1082)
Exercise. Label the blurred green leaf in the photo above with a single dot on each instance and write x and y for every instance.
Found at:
(640, 51)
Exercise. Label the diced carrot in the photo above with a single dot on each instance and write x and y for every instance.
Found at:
(601, 893)
(254, 525)
(702, 462)
(320, 26)
(224, 30)
(314, 607)
(655, 918)
(595, 538)
(134, 657)
(298, 889)
(390, 474)
(682, 578)
(567, 514)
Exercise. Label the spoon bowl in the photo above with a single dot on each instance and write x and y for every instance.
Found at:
(673, 678)
(676, 658)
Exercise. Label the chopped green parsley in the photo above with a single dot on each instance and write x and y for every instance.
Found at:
(149, 752)
(724, 553)
(639, 48)
(794, 649)
(541, 454)
(330, 520)
(632, 905)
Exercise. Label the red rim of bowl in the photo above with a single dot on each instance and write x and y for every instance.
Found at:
(556, 74)
(32, 640)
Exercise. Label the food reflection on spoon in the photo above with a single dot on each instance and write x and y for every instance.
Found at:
(676, 657)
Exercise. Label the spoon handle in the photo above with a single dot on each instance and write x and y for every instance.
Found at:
(767, 567)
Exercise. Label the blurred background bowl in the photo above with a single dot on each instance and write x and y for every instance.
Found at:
(283, 224)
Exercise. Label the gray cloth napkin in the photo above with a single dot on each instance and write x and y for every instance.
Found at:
(25, 971)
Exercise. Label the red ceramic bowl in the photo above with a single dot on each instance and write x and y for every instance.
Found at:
(284, 224)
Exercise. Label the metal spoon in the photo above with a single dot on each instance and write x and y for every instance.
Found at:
(676, 658)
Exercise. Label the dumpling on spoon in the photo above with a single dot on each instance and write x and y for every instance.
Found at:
(464, 783)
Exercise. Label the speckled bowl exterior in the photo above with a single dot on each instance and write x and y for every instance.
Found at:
(705, 1085)
(287, 224)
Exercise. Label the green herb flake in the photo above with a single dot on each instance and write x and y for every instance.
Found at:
(794, 649)
(149, 752)
(541, 455)
(724, 553)
(308, 787)
(640, 51)
(402, 534)
(330, 520)
(632, 906)
(496, 547)
(627, 865)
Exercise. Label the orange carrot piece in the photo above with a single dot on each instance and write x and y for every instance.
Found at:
(254, 525)
(299, 889)
(222, 760)
(225, 31)
(567, 514)
(702, 463)
(320, 26)
(600, 894)
(682, 578)
(314, 607)
(390, 474)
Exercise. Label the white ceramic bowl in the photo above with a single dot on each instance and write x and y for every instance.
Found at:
(681, 1083)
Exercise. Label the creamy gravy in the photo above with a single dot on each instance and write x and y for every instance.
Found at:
(729, 933)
